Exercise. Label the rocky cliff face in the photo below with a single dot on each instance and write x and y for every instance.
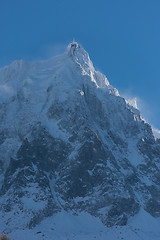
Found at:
(69, 142)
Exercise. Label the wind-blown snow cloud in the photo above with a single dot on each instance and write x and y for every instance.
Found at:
(54, 49)
(145, 110)
(156, 132)
(132, 102)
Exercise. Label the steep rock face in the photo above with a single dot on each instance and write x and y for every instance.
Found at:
(69, 142)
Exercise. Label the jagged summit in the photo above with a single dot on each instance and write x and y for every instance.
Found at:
(75, 50)
(72, 47)
(81, 57)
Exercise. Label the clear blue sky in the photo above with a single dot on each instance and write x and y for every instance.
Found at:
(121, 36)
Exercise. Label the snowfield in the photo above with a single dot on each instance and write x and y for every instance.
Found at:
(66, 226)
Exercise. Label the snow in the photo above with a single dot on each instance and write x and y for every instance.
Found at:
(81, 92)
(6, 92)
(27, 90)
(53, 128)
(9, 148)
(146, 225)
(83, 226)
(156, 132)
(132, 102)
(30, 203)
(134, 156)
(146, 180)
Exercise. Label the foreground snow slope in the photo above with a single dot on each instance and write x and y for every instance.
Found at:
(72, 148)
(64, 226)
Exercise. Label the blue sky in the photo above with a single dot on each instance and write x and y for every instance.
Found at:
(121, 36)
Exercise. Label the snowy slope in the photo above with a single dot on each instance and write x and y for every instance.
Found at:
(73, 150)
(64, 226)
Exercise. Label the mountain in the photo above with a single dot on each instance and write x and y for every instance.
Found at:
(77, 161)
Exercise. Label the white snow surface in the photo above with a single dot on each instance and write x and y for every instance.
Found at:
(132, 102)
(156, 132)
(66, 226)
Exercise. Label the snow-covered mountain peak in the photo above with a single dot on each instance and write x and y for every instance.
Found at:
(70, 144)
(68, 72)
(72, 47)
(81, 57)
